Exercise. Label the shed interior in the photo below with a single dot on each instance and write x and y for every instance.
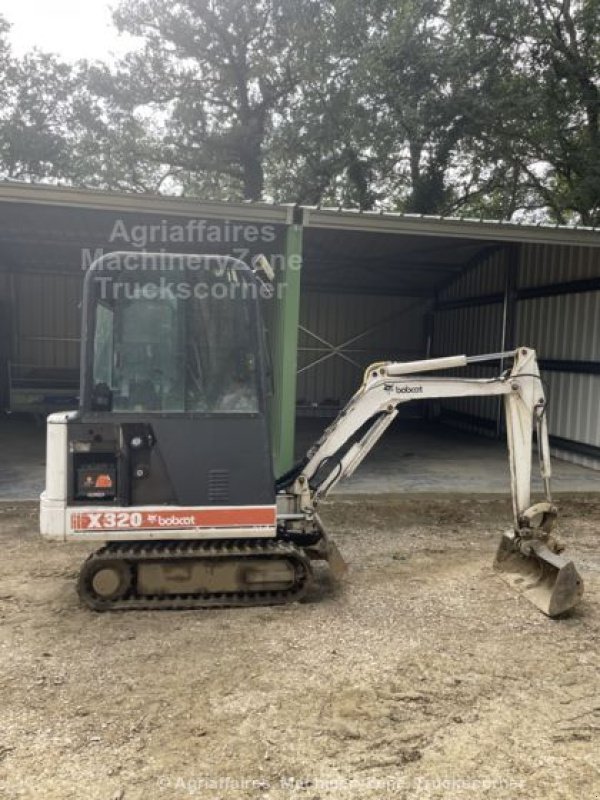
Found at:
(369, 296)
(372, 288)
(459, 287)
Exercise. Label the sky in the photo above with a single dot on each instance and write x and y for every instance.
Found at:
(71, 28)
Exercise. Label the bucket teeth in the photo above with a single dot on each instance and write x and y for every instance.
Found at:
(548, 580)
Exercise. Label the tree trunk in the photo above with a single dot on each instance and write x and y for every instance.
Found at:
(253, 178)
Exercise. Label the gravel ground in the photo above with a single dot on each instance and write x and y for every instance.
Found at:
(421, 676)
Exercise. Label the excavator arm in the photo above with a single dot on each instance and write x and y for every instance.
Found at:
(528, 556)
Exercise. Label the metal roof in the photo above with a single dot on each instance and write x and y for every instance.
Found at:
(455, 227)
(343, 219)
(44, 194)
(48, 228)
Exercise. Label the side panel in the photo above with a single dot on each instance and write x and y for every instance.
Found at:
(57, 452)
(234, 450)
(178, 461)
(60, 522)
(53, 501)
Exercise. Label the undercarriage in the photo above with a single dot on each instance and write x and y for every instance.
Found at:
(194, 574)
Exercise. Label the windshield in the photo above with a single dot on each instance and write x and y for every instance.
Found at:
(158, 351)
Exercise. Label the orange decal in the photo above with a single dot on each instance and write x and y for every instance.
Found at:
(174, 518)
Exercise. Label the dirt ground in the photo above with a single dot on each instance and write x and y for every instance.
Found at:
(421, 676)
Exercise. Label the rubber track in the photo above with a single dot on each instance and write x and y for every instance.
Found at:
(132, 552)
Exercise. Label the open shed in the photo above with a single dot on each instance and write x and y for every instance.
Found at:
(379, 286)
(371, 287)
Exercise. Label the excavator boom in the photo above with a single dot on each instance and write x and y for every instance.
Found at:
(529, 557)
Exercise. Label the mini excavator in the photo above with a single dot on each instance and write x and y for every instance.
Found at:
(167, 462)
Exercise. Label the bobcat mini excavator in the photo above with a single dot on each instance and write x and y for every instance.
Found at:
(167, 462)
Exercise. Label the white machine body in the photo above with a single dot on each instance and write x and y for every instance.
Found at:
(386, 386)
(61, 522)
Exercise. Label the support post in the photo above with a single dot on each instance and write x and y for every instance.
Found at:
(509, 315)
(286, 319)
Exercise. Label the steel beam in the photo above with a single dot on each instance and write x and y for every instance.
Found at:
(137, 203)
(463, 228)
(554, 289)
(525, 293)
(570, 365)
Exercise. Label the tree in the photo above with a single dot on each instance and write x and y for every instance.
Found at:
(548, 107)
(487, 107)
(33, 95)
(426, 83)
(324, 147)
(567, 137)
(55, 126)
(111, 147)
(216, 72)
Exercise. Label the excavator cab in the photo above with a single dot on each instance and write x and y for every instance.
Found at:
(152, 348)
(173, 391)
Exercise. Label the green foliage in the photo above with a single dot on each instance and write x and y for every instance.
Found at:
(478, 107)
(33, 93)
(217, 72)
(548, 102)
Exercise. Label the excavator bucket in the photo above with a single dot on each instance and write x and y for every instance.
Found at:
(547, 579)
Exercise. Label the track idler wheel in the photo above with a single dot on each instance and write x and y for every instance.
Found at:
(103, 582)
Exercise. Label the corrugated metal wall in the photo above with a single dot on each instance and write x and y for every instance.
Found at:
(372, 328)
(565, 327)
(47, 320)
(543, 264)
(471, 330)
(561, 327)
(476, 329)
(5, 335)
(487, 278)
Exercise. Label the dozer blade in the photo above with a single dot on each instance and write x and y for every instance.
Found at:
(548, 580)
